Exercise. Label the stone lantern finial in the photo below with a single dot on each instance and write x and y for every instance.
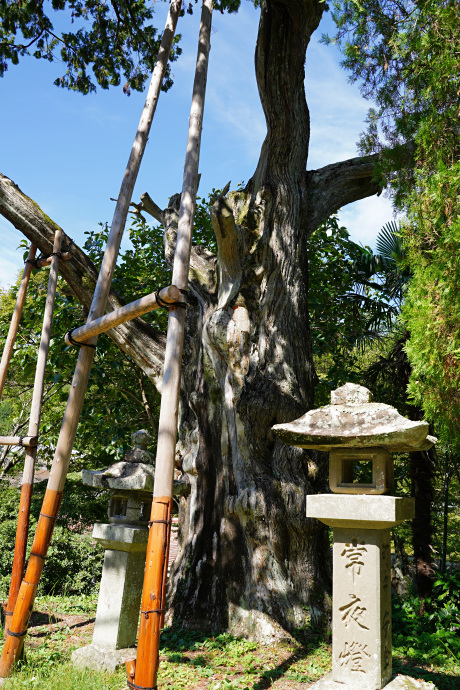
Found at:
(350, 394)
(141, 440)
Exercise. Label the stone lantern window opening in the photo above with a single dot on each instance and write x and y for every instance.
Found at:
(117, 508)
(361, 470)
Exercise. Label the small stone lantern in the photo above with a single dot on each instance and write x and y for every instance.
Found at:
(125, 540)
(359, 434)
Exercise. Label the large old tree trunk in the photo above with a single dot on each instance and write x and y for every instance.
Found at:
(249, 560)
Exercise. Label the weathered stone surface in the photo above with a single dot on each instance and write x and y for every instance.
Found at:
(121, 475)
(141, 438)
(101, 658)
(350, 393)
(120, 592)
(362, 510)
(139, 455)
(128, 476)
(130, 507)
(121, 537)
(355, 425)
(398, 683)
(361, 607)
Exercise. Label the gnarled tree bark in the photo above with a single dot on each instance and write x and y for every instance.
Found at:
(249, 560)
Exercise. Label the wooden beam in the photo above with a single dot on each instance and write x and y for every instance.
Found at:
(126, 313)
(153, 595)
(22, 530)
(18, 441)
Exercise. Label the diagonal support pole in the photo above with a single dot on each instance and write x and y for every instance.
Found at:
(145, 668)
(13, 330)
(22, 530)
(53, 495)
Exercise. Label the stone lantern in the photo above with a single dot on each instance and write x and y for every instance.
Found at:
(125, 541)
(360, 437)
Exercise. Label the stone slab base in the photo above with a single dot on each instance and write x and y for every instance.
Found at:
(102, 659)
(397, 683)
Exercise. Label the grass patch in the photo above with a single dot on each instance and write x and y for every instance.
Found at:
(188, 659)
(65, 675)
(192, 659)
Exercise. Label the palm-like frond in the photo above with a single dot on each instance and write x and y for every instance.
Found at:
(386, 265)
(390, 245)
(394, 368)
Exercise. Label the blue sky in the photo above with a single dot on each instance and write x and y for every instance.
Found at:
(68, 151)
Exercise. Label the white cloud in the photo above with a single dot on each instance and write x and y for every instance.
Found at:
(337, 110)
(363, 219)
(11, 262)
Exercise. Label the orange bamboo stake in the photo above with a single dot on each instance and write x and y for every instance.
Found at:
(22, 611)
(12, 332)
(34, 424)
(153, 595)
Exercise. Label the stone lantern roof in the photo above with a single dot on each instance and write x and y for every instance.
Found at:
(135, 473)
(352, 420)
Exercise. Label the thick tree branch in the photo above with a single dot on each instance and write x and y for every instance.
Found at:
(149, 206)
(285, 29)
(230, 244)
(329, 188)
(136, 338)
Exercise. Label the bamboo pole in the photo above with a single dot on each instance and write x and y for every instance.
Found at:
(18, 440)
(12, 332)
(53, 496)
(22, 530)
(126, 313)
(153, 595)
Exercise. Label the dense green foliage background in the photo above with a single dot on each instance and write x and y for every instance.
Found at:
(74, 560)
(406, 57)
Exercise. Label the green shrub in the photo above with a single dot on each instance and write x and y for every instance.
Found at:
(73, 564)
(74, 561)
(434, 635)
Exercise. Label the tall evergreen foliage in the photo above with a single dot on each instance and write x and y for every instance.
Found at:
(406, 56)
(432, 307)
(99, 43)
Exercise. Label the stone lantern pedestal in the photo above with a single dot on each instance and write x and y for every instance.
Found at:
(125, 541)
(121, 585)
(360, 436)
(361, 590)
